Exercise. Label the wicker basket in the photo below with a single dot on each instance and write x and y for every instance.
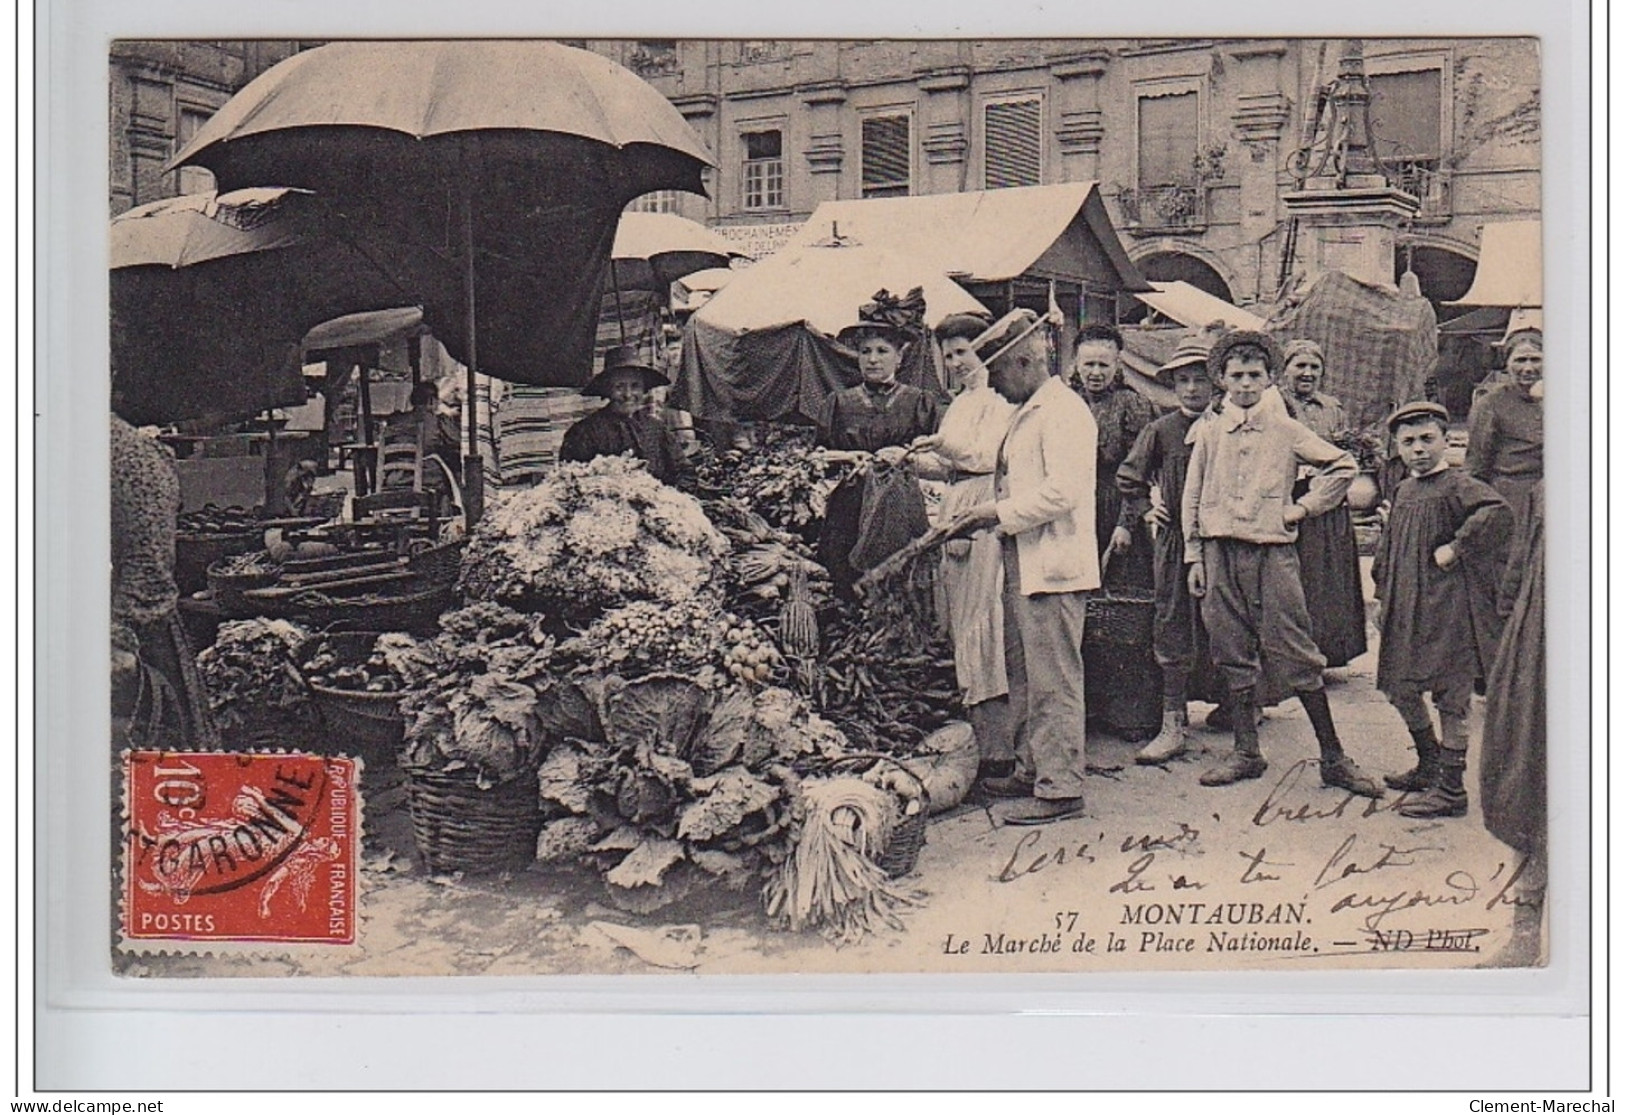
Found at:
(439, 564)
(371, 721)
(1121, 619)
(194, 553)
(228, 589)
(1120, 668)
(459, 827)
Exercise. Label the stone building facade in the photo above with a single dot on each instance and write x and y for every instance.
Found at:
(1193, 141)
(159, 94)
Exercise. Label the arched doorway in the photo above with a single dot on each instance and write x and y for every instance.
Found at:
(1168, 267)
(1444, 275)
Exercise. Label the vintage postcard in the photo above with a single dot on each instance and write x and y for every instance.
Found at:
(813, 506)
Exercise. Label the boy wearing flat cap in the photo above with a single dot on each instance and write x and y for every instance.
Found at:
(1436, 573)
(1240, 524)
(1159, 462)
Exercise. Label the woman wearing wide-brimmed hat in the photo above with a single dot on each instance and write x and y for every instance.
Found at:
(880, 416)
(624, 425)
(880, 412)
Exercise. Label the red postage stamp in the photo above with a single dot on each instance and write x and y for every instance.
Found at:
(239, 847)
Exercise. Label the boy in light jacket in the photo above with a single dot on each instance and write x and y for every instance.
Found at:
(1240, 524)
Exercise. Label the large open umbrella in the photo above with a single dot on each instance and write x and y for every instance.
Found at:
(211, 295)
(653, 250)
(494, 171)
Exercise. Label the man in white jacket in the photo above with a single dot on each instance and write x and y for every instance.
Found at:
(1045, 513)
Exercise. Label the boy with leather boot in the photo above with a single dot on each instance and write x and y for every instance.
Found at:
(1436, 574)
(1240, 523)
(1159, 460)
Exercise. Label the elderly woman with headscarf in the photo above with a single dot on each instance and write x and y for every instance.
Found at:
(1506, 433)
(880, 416)
(1120, 414)
(964, 452)
(1328, 552)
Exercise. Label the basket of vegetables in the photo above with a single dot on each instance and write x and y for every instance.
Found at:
(210, 535)
(473, 739)
(357, 686)
(231, 576)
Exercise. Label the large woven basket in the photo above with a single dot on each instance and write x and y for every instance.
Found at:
(459, 827)
(1121, 676)
(370, 722)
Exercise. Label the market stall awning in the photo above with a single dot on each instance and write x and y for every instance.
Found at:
(824, 286)
(1057, 232)
(1194, 308)
(1509, 266)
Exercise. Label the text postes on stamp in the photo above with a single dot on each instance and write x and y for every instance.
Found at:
(239, 847)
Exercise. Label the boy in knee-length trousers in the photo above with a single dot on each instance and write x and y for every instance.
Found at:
(1158, 462)
(1240, 524)
(1436, 574)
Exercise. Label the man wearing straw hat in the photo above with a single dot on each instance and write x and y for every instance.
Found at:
(1043, 509)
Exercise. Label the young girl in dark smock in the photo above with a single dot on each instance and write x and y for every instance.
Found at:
(1437, 572)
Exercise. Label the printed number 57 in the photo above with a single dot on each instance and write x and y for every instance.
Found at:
(1066, 920)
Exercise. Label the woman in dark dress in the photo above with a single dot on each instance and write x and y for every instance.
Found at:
(1328, 553)
(1512, 774)
(1120, 414)
(878, 414)
(1506, 436)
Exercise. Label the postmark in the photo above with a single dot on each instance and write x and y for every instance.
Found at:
(224, 849)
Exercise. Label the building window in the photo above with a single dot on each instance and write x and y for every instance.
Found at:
(1405, 114)
(887, 156)
(661, 201)
(191, 179)
(764, 170)
(1012, 143)
(1168, 140)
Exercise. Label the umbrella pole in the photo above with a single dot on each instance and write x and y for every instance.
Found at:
(473, 463)
(620, 314)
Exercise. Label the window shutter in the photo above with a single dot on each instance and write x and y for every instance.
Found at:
(1168, 140)
(1405, 114)
(886, 159)
(1014, 144)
